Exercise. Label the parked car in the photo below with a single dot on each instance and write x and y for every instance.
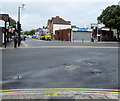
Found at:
(29, 36)
(23, 37)
(34, 36)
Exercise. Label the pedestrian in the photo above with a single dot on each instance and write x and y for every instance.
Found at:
(92, 39)
(15, 40)
(82, 40)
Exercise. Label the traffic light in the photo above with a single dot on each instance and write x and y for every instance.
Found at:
(92, 27)
(18, 26)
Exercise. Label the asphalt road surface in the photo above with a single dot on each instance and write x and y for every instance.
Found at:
(60, 67)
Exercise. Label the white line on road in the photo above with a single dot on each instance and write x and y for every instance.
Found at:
(70, 47)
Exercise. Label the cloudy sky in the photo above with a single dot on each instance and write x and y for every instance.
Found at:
(37, 12)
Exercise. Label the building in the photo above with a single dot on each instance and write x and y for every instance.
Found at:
(63, 34)
(4, 19)
(57, 23)
(40, 31)
(106, 35)
(80, 34)
(7, 26)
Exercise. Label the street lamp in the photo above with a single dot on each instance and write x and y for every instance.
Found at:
(99, 26)
(19, 25)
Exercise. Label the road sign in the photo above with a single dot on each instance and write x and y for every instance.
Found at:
(94, 25)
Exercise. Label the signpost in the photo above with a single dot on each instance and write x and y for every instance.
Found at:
(94, 32)
(93, 25)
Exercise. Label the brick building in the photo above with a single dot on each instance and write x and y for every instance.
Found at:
(7, 24)
(63, 34)
(57, 23)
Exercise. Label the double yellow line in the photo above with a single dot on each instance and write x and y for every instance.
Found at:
(55, 91)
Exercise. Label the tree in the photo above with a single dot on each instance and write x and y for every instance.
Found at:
(31, 32)
(110, 17)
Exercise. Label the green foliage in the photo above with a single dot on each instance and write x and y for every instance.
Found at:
(110, 17)
(22, 33)
(29, 32)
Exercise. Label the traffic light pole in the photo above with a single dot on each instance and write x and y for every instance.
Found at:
(19, 38)
(5, 35)
(18, 27)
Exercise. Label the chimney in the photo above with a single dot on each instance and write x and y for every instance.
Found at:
(68, 22)
(57, 17)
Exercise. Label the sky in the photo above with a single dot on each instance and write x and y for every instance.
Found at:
(37, 12)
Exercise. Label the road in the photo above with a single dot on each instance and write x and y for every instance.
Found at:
(71, 66)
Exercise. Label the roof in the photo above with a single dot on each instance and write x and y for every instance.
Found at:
(12, 21)
(4, 17)
(58, 20)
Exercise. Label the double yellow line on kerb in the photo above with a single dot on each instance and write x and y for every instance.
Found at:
(56, 91)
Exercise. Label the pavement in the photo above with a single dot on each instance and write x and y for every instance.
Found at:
(24, 45)
(58, 93)
(62, 93)
(79, 41)
(10, 45)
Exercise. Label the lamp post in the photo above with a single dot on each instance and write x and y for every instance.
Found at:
(99, 27)
(19, 25)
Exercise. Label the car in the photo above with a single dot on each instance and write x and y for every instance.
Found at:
(23, 37)
(29, 36)
(34, 36)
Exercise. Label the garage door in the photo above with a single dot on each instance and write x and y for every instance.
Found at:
(78, 36)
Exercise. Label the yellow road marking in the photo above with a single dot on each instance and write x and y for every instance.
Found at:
(55, 94)
(62, 89)
(47, 94)
(22, 92)
(88, 90)
(59, 91)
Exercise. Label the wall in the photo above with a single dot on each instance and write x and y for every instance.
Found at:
(63, 35)
(60, 26)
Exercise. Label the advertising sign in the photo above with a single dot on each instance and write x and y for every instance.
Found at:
(2, 23)
(83, 29)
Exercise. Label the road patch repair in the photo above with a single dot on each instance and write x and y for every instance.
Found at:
(61, 93)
